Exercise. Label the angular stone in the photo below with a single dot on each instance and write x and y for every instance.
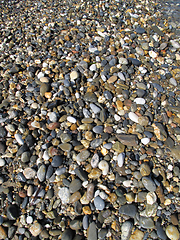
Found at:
(137, 235)
(90, 97)
(129, 210)
(3, 233)
(159, 131)
(118, 147)
(128, 139)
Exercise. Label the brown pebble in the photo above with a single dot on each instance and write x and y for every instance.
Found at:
(74, 197)
(112, 79)
(174, 219)
(128, 102)
(87, 210)
(22, 193)
(108, 129)
(53, 126)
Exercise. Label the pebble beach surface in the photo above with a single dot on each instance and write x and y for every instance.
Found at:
(89, 120)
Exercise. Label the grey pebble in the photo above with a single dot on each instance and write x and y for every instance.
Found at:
(57, 161)
(146, 223)
(99, 203)
(92, 231)
(75, 185)
(129, 210)
(149, 184)
(41, 173)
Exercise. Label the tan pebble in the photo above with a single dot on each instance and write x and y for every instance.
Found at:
(119, 105)
(167, 202)
(87, 210)
(112, 197)
(112, 79)
(151, 198)
(104, 151)
(145, 169)
(90, 191)
(89, 135)
(85, 143)
(3, 233)
(84, 200)
(35, 229)
(172, 232)
(48, 95)
(130, 197)
(115, 226)
(174, 219)
(137, 235)
(44, 79)
(95, 173)
(73, 127)
(74, 197)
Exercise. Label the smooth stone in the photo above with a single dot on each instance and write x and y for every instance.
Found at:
(126, 230)
(99, 203)
(140, 30)
(172, 232)
(104, 166)
(118, 147)
(92, 232)
(151, 198)
(140, 101)
(93, 67)
(2, 162)
(49, 172)
(74, 197)
(85, 222)
(19, 139)
(137, 235)
(123, 61)
(129, 210)
(90, 97)
(65, 147)
(96, 142)
(128, 139)
(68, 234)
(75, 185)
(120, 159)
(135, 61)
(149, 184)
(41, 173)
(98, 129)
(146, 223)
(44, 88)
(145, 141)
(11, 232)
(160, 231)
(81, 174)
(102, 233)
(29, 173)
(143, 121)
(175, 44)
(44, 79)
(25, 157)
(55, 232)
(2, 147)
(65, 137)
(75, 224)
(57, 161)
(133, 117)
(94, 108)
(74, 75)
(82, 156)
(2, 132)
(3, 233)
(64, 195)
(12, 212)
(158, 87)
(21, 177)
(145, 170)
(71, 119)
(35, 229)
(107, 146)
(60, 171)
(163, 46)
(175, 152)
(53, 117)
(173, 82)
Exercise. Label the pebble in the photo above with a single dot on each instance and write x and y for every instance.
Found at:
(99, 203)
(19, 139)
(146, 223)
(140, 101)
(82, 156)
(129, 210)
(92, 232)
(75, 185)
(64, 195)
(120, 159)
(2, 162)
(3, 233)
(126, 229)
(172, 232)
(41, 173)
(133, 117)
(149, 184)
(71, 119)
(151, 198)
(145, 141)
(104, 166)
(94, 108)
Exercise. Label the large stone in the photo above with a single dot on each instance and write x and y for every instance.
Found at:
(128, 139)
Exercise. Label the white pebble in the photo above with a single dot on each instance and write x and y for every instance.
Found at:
(94, 108)
(29, 220)
(120, 159)
(103, 195)
(104, 166)
(173, 82)
(175, 44)
(64, 195)
(74, 75)
(133, 117)
(140, 101)
(121, 76)
(19, 139)
(71, 119)
(93, 67)
(151, 198)
(40, 75)
(117, 117)
(2, 162)
(127, 183)
(45, 155)
(145, 141)
(152, 54)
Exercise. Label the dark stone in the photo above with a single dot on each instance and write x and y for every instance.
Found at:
(12, 212)
(128, 139)
(129, 210)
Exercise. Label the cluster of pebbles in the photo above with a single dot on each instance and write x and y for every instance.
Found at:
(89, 121)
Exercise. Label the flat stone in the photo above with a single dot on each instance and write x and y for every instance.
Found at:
(160, 231)
(94, 108)
(128, 139)
(29, 173)
(75, 185)
(90, 97)
(66, 147)
(135, 62)
(129, 210)
(140, 30)
(172, 232)
(149, 184)
(175, 152)
(96, 142)
(82, 156)
(134, 117)
(92, 232)
(157, 30)
(64, 195)
(3, 233)
(126, 230)
(41, 173)
(118, 147)
(35, 229)
(74, 75)
(145, 170)
(146, 223)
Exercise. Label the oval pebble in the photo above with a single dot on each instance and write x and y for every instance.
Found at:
(140, 101)
(104, 166)
(82, 156)
(35, 229)
(19, 139)
(120, 159)
(99, 203)
(41, 173)
(145, 141)
(133, 117)
(29, 173)
(71, 119)
(64, 195)
(149, 184)
(172, 232)
(2, 162)
(126, 229)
